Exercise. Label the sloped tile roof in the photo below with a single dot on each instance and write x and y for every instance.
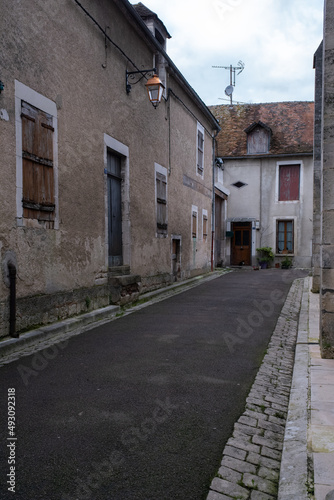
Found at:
(291, 124)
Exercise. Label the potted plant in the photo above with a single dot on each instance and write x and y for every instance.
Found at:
(265, 256)
(286, 263)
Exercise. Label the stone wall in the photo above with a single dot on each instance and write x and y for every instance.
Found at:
(317, 169)
(327, 194)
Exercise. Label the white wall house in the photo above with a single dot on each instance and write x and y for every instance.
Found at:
(265, 151)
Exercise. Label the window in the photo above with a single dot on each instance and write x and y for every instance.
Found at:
(36, 159)
(205, 225)
(258, 138)
(289, 182)
(200, 150)
(194, 222)
(37, 164)
(161, 200)
(285, 243)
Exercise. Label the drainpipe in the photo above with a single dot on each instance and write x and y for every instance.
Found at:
(12, 300)
(213, 198)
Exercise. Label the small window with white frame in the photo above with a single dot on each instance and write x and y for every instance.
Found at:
(284, 236)
(200, 150)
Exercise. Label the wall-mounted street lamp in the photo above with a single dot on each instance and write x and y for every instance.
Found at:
(154, 86)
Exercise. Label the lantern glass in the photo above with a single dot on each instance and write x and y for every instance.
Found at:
(154, 89)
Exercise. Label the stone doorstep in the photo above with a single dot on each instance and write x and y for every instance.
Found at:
(125, 280)
(118, 270)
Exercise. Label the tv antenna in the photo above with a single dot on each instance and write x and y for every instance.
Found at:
(229, 89)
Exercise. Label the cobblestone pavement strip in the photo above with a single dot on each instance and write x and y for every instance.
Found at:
(251, 460)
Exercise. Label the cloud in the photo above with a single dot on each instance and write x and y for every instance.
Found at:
(276, 40)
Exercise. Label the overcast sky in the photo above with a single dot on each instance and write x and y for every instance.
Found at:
(275, 39)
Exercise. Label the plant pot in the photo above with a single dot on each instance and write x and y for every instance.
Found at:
(263, 265)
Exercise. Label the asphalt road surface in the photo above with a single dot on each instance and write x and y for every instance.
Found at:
(139, 408)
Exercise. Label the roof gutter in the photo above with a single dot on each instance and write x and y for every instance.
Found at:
(255, 157)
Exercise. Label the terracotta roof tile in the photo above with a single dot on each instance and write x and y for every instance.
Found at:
(291, 124)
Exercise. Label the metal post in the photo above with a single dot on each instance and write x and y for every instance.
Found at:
(12, 301)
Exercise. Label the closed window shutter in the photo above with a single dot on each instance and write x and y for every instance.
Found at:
(205, 227)
(200, 150)
(161, 185)
(289, 182)
(194, 224)
(37, 164)
(258, 141)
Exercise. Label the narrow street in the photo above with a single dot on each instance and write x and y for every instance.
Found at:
(141, 408)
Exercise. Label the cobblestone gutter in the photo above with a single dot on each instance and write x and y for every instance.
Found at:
(252, 456)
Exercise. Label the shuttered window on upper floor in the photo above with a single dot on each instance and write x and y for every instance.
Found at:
(289, 182)
(161, 192)
(194, 224)
(200, 150)
(37, 163)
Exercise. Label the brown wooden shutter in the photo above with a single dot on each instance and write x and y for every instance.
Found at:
(161, 184)
(200, 150)
(258, 141)
(205, 227)
(194, 224)
(289, 182)
(37, 163)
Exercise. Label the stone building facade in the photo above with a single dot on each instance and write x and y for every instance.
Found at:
(102, 195)
(266, 163)
(323, 275)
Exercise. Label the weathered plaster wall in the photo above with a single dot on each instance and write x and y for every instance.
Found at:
(54, 49)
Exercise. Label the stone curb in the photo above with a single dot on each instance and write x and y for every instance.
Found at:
(41, 338)
(294, 467)
(54, 333)
(250, 467)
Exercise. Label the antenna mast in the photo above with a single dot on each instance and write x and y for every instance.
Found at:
(229, 89)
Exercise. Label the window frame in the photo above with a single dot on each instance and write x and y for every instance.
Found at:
(285, 221)
(301, 177)
(200, 150)
(205, 225)
(23, 93)
(251, 142)
(161, 201)
(194, 219)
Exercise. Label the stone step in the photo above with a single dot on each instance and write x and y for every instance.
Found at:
(119, 270)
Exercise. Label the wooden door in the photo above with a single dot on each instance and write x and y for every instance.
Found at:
(114, 209)
(241, 244)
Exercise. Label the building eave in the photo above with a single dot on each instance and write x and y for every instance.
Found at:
(266, 156)
(152, 42)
